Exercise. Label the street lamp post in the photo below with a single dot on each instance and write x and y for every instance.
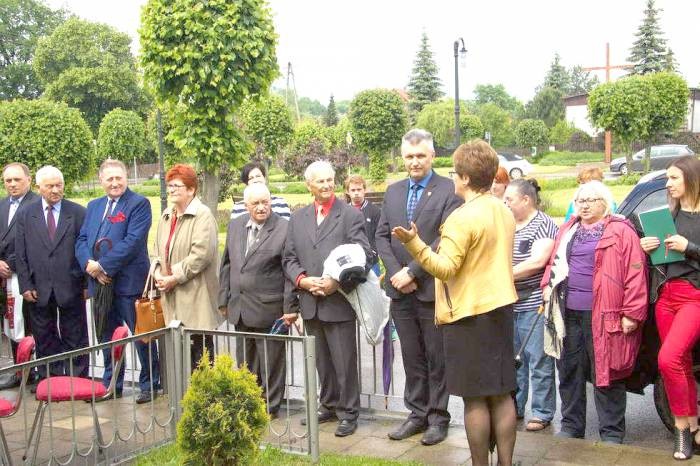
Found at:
(458, 54)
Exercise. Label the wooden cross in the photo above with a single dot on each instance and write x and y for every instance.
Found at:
(607, 68)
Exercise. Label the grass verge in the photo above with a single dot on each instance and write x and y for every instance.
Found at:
(169, 455)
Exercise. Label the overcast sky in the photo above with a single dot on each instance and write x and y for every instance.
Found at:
(343, 47)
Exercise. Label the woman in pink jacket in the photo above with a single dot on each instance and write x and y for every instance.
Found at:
(596, 278)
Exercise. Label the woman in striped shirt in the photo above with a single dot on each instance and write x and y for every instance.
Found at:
(254, 172)
(534, 239)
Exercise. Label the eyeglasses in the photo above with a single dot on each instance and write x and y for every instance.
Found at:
(589, 201)
(173, 187)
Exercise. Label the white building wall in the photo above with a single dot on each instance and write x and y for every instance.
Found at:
(693, 123)
(578, 116)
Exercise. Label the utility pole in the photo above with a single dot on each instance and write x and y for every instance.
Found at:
(290, 74)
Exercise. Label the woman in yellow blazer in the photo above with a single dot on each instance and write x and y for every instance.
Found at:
(474, 294)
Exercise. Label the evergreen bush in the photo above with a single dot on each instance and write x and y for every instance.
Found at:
(223, 416)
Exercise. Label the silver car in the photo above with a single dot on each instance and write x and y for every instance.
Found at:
(661, 156)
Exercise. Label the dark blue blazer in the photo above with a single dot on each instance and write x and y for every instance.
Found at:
(8, 232)
(127, 262)
(50, 266)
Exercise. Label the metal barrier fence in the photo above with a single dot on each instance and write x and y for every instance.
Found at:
(66, 422)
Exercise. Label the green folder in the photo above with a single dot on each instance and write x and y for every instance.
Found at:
(659, 223)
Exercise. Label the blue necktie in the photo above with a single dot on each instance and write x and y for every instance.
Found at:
(412, 202)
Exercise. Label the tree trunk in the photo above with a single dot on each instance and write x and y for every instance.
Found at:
(209, 191)
(647, 157)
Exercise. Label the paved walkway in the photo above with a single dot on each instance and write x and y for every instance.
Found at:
(540, 448)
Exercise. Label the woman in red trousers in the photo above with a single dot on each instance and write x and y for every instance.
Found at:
(678, 304)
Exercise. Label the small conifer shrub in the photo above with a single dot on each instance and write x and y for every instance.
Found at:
(224, 415)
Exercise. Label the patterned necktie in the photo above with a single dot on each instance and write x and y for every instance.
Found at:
(105, 219)
(252, 236)
(50, 222)
(412, 202)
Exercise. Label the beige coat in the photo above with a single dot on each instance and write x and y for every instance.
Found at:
(194, 262)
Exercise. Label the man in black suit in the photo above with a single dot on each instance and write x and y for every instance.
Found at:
(355, 187)
(254, 292)
(17, 182)
(314, 231)
(49, 274)
(425, 198)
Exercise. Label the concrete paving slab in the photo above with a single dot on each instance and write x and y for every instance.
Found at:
(378, 447)
(583, 452)
(436, 455)
(331, 444)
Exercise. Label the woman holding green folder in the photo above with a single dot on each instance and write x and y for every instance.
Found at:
(678, 304)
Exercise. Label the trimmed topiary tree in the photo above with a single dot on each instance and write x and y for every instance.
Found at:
(122, 136)
(41, 132)
(223, 417)
(379, 119)
(531, 133)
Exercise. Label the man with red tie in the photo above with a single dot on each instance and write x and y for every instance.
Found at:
(49, 274)
(313, 232)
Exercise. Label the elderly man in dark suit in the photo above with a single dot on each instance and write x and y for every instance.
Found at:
(17, 182)
(49, 274)
(254, 292)
(425, 198)
(118, 225)
(314, 231)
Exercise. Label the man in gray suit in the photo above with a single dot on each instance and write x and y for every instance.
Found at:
(254, 290)
(314, 231)
(425, 198)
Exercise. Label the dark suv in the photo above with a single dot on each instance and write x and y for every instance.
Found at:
(645, 196)
(661, 156)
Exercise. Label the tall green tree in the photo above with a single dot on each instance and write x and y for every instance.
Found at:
(498, 122)
(89, 66)
(379, 119)
(639, 108)
(557, 76)
(424, 86)
(331, 116)
(40, 132)
(202, 60)
(267, 121)
(581, 81)
(497, 94)
(649, 53)
(547, 105)
(122, 135)
(22, 23)
(439, 119)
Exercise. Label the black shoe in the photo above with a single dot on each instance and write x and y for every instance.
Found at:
(323, 417)
(346, 427)
(10, 382)
(434, 435)
(407, 429)
(682, 444)
(100, 400)
(146, 397)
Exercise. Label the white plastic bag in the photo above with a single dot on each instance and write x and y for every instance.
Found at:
(15, 331)
(368, 300)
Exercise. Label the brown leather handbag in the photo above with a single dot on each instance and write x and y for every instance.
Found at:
(149, 313)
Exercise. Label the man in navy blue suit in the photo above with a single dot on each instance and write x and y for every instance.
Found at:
(48, 274)
(124, 218)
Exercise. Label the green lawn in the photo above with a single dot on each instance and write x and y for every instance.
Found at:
(169, 455)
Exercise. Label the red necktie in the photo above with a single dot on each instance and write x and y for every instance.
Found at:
(50, 222)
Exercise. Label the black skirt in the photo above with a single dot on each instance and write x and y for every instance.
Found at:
(479, 359)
